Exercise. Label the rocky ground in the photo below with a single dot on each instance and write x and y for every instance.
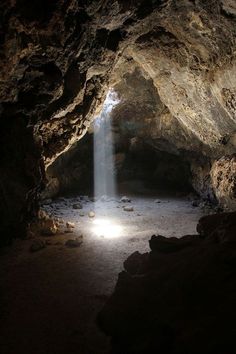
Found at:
(54, 285)
(179, 297)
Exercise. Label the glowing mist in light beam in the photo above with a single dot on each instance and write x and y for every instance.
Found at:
(104, 169)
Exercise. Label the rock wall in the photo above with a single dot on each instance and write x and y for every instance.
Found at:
(223, 175)
(55, 58)
(56, 61)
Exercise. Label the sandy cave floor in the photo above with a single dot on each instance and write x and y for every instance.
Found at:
(50, 298)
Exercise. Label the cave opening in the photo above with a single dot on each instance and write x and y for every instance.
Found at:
(117, 177)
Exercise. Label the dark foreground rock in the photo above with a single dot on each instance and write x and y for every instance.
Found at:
(73, 243)
(180, 297)
(37, 245)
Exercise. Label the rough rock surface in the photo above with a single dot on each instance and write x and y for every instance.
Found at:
(177, 298)
(57, 58)
(54, 58)
(43, 225)
(223, 175)
(141, 124)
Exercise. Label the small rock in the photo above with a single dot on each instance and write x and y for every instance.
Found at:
(49, 227)
(81, 214)
(91, 214)
(157, 201)
(70, 225)
(128, 208)
(37, 245)
(125, 199)
(42, 214)
(68, 231)
(77, 206)
(72, 243)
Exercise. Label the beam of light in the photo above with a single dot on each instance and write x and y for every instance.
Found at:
(104, 171)
(106, 228)
(104, 168)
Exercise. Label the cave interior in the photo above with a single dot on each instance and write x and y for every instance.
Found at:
(118, 177)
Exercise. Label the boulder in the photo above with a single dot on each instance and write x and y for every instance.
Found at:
(178, 298)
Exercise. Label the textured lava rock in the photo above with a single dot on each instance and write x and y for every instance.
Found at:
(168, 245)
(179, 298)
(128, 208)
(220, 228)
(44, 225)
(223, 175)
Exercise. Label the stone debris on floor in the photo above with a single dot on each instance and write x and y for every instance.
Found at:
(37, 245)
(125, 199)
(73, 243)
(77, 206)
(128, 208)
(68, 231)
(70, 225)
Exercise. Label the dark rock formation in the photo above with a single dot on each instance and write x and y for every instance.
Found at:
(72, 172)
(223, 176)
(54, 59)
(177, 298)
(57, 59)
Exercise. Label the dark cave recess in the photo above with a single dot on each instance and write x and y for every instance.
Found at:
(73, 171)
